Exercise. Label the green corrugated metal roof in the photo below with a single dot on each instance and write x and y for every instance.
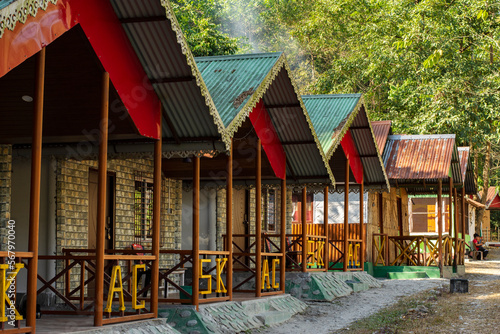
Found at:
(231, 80)
(5, 3)
(327, 112)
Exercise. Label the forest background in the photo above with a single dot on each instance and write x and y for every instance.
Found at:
(429, 66)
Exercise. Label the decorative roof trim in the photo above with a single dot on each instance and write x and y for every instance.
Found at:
(18, 11)
(194, 69)
(259, 93)
(380, 160)
(420, 137)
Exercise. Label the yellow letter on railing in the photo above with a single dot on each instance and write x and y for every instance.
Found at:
(116, 273)
(265, 274)
(7, 290)
(310, 252)
(142, 304)
(350, 256)
(356, 256)
(319, 257)
(208, 277)
(276, 262)
(220, 267)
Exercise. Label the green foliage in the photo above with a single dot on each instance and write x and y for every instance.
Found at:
(200, 20)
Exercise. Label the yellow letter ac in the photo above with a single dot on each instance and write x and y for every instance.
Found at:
(117, 272)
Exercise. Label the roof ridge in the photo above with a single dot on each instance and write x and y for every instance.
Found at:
(240, 56)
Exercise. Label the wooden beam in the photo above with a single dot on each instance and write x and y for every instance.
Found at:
(455, 204)
(450, 211)
(326, 247)
(36, 168)
(305, 243)
(101, 203)
(462, 206)
(440, 226)
(283, 234)
(346, 214)
(362, 225)
(258, 220)
(196, 232)
(157, 188)
(229, 221)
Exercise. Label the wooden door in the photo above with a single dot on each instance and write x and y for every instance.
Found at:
(240, 221)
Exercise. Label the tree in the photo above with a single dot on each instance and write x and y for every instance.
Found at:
(200, 21)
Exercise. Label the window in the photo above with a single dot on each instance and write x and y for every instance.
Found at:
(270, 209)
(143, 209)
(424, 213)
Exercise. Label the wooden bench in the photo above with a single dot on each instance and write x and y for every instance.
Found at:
(474, 252)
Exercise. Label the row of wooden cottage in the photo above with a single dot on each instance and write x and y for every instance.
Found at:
(121, 152)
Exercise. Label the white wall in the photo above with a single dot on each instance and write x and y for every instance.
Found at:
(21, 178)
(336, 208)
(208, 206)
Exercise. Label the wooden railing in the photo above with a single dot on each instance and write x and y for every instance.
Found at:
(315, 252)
(416, 250)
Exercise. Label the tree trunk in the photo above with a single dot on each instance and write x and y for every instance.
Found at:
(486, 185)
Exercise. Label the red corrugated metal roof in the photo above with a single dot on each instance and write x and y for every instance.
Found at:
(492, 199)
(463, 153)
(419, 157)
(381, 129)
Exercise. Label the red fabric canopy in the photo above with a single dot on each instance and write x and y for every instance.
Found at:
(352, 154)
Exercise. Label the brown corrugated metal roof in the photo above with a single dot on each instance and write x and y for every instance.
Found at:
(467, 170)
(381, 129)
(492, 198)
(419, 157)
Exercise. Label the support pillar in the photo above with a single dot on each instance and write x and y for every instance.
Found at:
(455, 226)
(440, 225)
(258, 220)
(361, 224)
(346, 215)
(196, 232)
(101, 202)
(305, 243)
(155, 269)
(283, 234)
(229, 222)
(462, 205)
(325, 227)
(450, 217)
(36, 167)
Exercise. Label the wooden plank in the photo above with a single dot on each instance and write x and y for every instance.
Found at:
(283, 233)
(157, 189)
(440, 225)
(196, 231)
(229, 222)
(258, 218)
(128, 318)
(304, 230)
(346, 215)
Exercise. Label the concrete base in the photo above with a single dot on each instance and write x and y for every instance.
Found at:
(143, 327)
(321, 286)
(233, 317)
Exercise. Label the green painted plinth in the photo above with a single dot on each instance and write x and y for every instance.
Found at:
(407, 275)
(383, 271)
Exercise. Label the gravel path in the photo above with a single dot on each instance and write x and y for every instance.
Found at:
(328, 317)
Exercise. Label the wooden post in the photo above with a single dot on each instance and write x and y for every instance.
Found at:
(440, 225)
(283, 234)
(325, 224)
(381, 212)
(196, 231)
(361, 224)
(346, 214)
(258, 220)
(450, 218)
(462, 204)
(305, 243)
(229, 222)
(36, 167)
(101, 202)
(455, 204)
(155, 270)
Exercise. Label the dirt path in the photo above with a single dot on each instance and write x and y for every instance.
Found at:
(328, 317)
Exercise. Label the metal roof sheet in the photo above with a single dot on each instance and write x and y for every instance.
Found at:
(381, 129)
(188, 110)
(332, 116)
(238, 82)
(5, 3)
(492, 199)
(231, 80)
(329, 113)
(421, 157)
